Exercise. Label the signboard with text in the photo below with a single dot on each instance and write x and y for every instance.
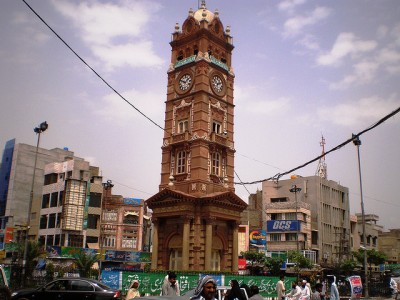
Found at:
(257, 237)
(283, 225)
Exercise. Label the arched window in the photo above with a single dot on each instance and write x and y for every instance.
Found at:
(216, 164)
(181, 162)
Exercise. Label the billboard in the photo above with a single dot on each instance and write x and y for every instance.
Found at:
(257, 237)
(283, 225)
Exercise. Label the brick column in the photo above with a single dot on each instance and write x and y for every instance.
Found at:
(154, 254)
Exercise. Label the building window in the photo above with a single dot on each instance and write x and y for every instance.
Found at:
(183, 126)
(52, 221)
(95, 199)
(215, 260)
(290, 216)
(45, 200)
(216, 127)
(290, 236)
(129, 242)
(276, 217)
(43, 221)
(216, 163)
(275, 200)
(60, 198)
(130, 219)
(109, 241)
(275, 237)
(50, 178)
(93, 221)
(50, 240)
(54, 199)
(175, 259)
(181, 162)
(110, 216)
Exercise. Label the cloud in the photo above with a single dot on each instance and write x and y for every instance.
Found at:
(363, 112)
(346, 44)
(112, 108)
(289, 5)
(118, 27)
(295, 25)
(363, 72)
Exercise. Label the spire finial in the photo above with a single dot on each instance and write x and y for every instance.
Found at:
(203, 4)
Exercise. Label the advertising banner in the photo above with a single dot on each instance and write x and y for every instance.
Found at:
(355, 286)
(132, 201)
(283, 225)
(258, 237)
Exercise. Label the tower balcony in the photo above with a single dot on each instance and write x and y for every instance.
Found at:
(180, 137)
(221, 139)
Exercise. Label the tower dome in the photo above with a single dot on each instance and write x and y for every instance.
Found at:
(203, 13)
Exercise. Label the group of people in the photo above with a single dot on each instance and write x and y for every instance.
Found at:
(205, 290)
(302, 291)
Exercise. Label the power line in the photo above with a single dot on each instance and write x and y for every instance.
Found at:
(279, 175)
(94, 71)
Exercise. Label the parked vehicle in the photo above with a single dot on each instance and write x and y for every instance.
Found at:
(76, 288)
(5, 293)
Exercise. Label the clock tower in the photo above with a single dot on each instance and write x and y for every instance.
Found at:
(196, 212)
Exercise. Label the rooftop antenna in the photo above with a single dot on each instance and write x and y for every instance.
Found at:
(322, 170)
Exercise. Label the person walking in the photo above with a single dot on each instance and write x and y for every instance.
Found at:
(235, 293)
(295, 293)
(133, 291)
(255, 291)
(170, 286)
(318, 291)
(334, 294)
(280, 288)
(206, 289)
(394, 288)
(305, 291)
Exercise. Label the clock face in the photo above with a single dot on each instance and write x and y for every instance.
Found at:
(185, 82)
(217, 83)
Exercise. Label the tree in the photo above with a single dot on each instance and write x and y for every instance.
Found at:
(373, 257)
(274, 265)
(34, 250)
(85, 261)
(347, 266)
(256, 259)
(300, 261)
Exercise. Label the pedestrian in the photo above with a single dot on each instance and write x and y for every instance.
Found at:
(255, 291)
(245, 287)
(280, 288)
(334, 294)
(206, 289)
(170, 286)
(235, 293)
(295, 293)
(305, 291)
(133, 291)
(317, 295)
(324, 289)
(394, 288)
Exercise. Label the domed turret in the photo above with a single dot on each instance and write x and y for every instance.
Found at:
(203, 13)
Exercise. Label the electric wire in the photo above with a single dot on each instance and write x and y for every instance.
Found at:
(277, 176)
(94, 71)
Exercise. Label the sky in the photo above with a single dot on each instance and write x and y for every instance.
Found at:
(303, 69)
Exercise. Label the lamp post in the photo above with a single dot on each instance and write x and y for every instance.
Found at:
(295, 189)
(38, 130)
(107, 186)
(357, 143)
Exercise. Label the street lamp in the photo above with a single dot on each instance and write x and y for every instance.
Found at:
(357, 143)
(107, 186)
(38, 130)
(295, 189)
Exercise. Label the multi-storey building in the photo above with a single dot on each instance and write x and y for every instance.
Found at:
(389, 243)
(372, 230)
(196, 213)
(123, 223)
(71, 204)
(323, 212)
(16, 183)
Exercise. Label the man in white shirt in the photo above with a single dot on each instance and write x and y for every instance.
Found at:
(295, 293)
(305, 291)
